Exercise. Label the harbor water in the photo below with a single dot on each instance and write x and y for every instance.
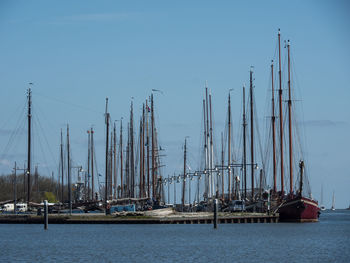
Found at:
(325, 241)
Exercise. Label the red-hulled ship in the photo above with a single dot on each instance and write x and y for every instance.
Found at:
(292, 207)
(298, 208)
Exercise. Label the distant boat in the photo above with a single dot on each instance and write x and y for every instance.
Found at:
(333, 203)
(322, 206)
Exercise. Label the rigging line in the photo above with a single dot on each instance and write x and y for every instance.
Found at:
(20, 119)
(42, 150)
(45, 138)
(258, 133)
(14, 135)
(42, 113)
(21, 111)
(68, 103)
(95, 163)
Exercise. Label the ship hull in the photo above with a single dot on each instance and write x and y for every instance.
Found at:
(299, 209)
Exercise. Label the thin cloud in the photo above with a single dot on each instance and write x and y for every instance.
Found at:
(5, 162)
(324, 123)
(9, 132)
(96, 17)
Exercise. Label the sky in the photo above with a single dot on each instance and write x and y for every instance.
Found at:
(77, 53)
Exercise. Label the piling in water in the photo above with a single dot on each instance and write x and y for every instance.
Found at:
(215, 213)
(46, 218)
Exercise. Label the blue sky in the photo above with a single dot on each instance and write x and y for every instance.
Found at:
(77, 53)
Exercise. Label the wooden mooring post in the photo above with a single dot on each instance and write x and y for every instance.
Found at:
(46, 218)
(215, 213)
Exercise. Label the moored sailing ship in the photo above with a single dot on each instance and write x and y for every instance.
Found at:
(294, 206)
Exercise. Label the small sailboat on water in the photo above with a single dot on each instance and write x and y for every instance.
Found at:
(333, 203)
(322, 206)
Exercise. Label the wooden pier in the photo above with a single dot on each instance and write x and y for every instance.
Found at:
(132, 218)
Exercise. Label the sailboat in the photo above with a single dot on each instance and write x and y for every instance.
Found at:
(293, 206)
(333, 203)
(322, 207)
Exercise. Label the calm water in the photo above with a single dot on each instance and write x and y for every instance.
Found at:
(326, 241)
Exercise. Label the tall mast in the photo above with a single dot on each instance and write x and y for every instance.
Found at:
(141, 157)
(121, 158)
(143, 153)
(110, 164)
(244, 146)
(184, 179)
(205, 144)
(92, 164)
(207, 140)
(132, 156)
(29, 143)
(147, 142)
(301, 166)
(280, 111)
(252, 131)
(273, 119)
(115, 160)
(69, 175)
(229, 147)
(153, 150)
(88, 169)
(290, 126)
(107, 141)
(15, 190)
(127, 165)
(222, 169)
(62, 168)
(211, 149)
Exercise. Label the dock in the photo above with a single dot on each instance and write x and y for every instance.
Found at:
(137, 218)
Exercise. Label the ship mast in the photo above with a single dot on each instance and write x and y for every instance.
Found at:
(153, 150)
(132, 157)
(115, 160)
(280, 111)
(207, 142)
(62, 167)
(110, 164)
(184, 179)
(205, 145)
(222, 167)
(229, 148)
(121, 158)
(290, 125)
(107, 141)
(273, 119)
(252, 132)
(211, 150)
(69, 173)
(147, 142)
(29, 143)
(92, 163)
(88, 169)
(244, 146)
(141, 154)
